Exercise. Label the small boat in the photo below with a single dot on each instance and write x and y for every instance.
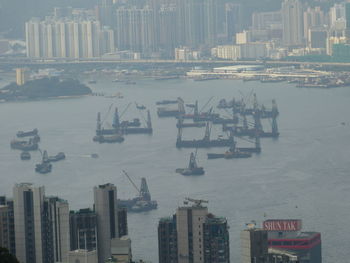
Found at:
(117, 80)
(94, 155)
(92, 81)
(192, 169)
(57, 157)
(28, 133)
(25, 155)
(130, 82)
(140, 107)
(45, 166)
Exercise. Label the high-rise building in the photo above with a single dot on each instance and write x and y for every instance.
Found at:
(287, 235)
(4, 227)
(254, 247)
(313, 18)
(216, 240)
(167, 240)
(106, 208)
(135, 29)
(65, 38)
(292, 23)
(56, 221)
(193, 235)
(234, 20)
(41, 225)
(122, 221)
(265, 20)
(28, 202)
(7, 229)
(106, 12)
(83, 230)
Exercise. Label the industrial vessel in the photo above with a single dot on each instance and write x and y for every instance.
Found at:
(192, 168)
(143, 202)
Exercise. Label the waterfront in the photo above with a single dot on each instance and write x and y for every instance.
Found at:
(304, 174)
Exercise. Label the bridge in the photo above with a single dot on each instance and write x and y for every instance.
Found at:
(101, 62)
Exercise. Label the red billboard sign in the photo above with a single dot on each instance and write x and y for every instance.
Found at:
(282, 225)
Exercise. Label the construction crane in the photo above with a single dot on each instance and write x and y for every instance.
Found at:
(196, 202)
(144, 191)
(131, 181)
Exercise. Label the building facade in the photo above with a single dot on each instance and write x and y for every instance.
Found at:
(64, 38)
(254, 245)
(292, 21)
(106, 209)
(193, 235)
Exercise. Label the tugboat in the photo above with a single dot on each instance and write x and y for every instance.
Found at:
(30, 145)
(28, 133)
(142, 202)
(25, 155)
(192, 169)
(232, 153)
(140, 107)
(58, 157)
(45, 166)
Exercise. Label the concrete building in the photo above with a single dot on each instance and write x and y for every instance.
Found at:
(292, 21)
(65, 38)
(83, 230)
(4, 227)
(122, 221)
(232, 52)
(254, 245)
(135, 29)
(41, 225)
(333, 41)
(266, 20)
(7, 228)
(82, 256)
(317, 38)
(28, 203)
(253, 50)
(106, 209)
(121, 249)
(167, 240)
(233, 20)
(193, 235)
(56, 218)
(313, 18)
(287, 235)
(243, 37)
(336, 13)
(4, 46)
(21, 77)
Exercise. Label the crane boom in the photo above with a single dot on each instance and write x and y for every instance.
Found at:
(138, 190)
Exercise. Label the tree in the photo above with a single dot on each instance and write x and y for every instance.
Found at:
(6, 257)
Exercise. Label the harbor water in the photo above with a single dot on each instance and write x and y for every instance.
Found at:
(305, 173)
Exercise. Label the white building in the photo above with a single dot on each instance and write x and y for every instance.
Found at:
(64, 38)
(227, 52)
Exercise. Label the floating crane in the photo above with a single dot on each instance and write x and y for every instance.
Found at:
(143, 201)
(192, 168)
(202, 143)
